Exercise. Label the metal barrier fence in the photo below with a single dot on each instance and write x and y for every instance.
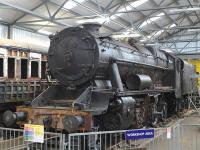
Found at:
(179, 137)
(164, 139)
(12, 139)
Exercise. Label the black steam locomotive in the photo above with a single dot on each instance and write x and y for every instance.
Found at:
(106, 84)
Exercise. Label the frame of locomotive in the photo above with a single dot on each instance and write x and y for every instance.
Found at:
(110, 93)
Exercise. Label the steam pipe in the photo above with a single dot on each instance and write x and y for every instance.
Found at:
(117, 81)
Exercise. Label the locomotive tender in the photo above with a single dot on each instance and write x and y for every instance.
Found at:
(106, 85)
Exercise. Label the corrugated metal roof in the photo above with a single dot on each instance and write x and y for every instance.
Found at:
(154, 20)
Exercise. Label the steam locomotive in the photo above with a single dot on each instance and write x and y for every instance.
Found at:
(106, 85)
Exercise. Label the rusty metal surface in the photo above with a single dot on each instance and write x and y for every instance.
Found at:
(37, 115)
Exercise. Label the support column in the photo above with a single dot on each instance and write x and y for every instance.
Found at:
(5, 67)
(18, 66)
(29, 69)
(18, 69)
(39, 69)
(9, 32)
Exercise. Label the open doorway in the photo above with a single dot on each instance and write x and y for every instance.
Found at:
(11, 67)
(34, 69)
(43, 69)
(1, 67)
(24, 69)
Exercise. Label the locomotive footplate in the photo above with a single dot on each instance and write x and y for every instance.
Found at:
(131, 93)
(59, 118)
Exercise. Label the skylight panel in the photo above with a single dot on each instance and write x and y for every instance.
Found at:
(99, 20)
(173, 25)
(149, 36)
(185, 9)
(124, 9)
(44, 32)
(160, 14)
(148, 21)
(143, 40)
(158, 33)
(155, 34)
(126, 35)
(129, 7)
(133, 4)
(71, 4)
(138, 3)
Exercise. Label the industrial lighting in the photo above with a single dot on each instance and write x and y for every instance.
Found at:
(128, 31)
(131, 29)
(126, 35)
(149, 36)
(143, 40)
(133, 4)
(159, 32)
(185, 9)
(99, 20)
(193, 30)
(148, 21)
(160, 14)
(44, 32)
(150, 44)
(71, 4)
(154, 34)
(168, 50)
(173, 25)
(170, 26)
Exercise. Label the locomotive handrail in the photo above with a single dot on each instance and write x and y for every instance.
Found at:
(127, 93)
(138, 63)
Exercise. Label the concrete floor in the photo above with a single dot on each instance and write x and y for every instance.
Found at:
(190, 132)
(185, 135)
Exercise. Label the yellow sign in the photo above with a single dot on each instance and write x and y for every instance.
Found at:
(34, 133)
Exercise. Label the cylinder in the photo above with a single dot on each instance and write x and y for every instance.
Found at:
(10, 118)
(138, 82)
(72, 123)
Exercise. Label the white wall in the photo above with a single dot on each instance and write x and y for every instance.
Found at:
(3, 31)
(29, 37)
(23, 35)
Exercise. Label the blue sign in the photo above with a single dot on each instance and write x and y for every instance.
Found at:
(139, 134)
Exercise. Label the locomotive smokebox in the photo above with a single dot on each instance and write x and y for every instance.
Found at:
(73, 56)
